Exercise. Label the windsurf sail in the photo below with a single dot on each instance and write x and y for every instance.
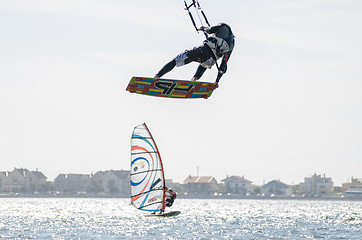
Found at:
(147, 176)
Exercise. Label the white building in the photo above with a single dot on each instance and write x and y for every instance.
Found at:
(316, 185)
(71, 182)
(353, 189)
(21, 180)
(2, 180)
(276, 188)
(201, 185)
(237, 185)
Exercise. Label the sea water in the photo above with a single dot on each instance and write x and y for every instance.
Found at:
(106, 218)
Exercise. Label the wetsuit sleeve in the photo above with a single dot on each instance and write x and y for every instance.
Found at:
(224, 62)
(199, 72)
(223, 66)
(213, 29)
(219, 75)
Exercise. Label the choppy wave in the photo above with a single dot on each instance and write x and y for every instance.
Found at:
(77, 218)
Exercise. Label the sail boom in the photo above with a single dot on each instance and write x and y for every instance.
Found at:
(155, 203)
(155, 170)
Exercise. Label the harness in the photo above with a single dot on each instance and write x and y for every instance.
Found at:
(217, 45)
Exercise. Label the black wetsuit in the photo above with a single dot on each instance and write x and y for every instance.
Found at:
(219, 43)
(170, 199)
(169, 202)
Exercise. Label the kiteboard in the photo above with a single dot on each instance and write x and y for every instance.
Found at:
(165, 214)
(170, 88)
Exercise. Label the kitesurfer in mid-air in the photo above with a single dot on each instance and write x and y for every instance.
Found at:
(218, 44)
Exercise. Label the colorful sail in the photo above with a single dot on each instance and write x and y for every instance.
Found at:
(147, 177)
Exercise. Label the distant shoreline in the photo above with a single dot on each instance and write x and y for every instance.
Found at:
(235, 197)
(223, 197)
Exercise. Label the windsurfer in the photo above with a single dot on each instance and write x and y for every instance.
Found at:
(170, 197)
(218, 44)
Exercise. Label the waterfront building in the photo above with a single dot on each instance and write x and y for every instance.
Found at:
(276, 188)
(353, 190)
(72, 183)
(237, 185)
(21, 180)
(316, 185)
(204, 185)
(2, 181)
(96, 182)
(116, 181)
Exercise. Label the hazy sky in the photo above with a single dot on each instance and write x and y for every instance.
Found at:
(289, 106)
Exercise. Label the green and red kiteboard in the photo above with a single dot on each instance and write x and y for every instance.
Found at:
(170, 88)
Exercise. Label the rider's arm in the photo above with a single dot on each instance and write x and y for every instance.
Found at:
(213, 29)
(223, 66)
